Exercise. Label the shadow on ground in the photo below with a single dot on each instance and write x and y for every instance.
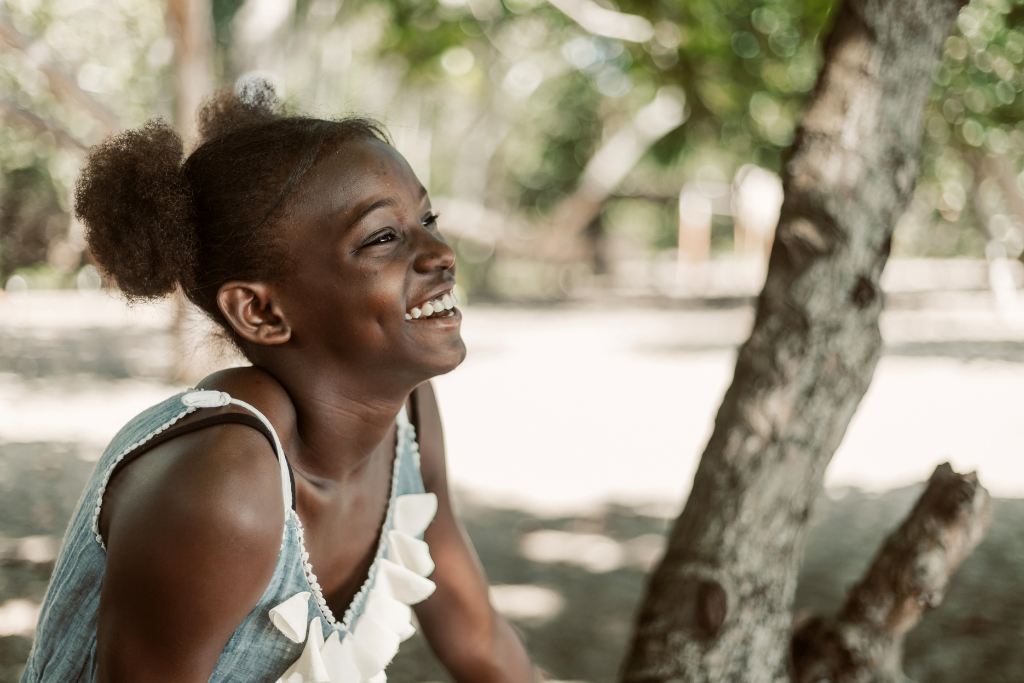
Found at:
(100, 352)
(581, 636)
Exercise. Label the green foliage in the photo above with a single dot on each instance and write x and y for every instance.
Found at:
(642, 222)
(514, 97)
(223, 12)
(30, 217)
(117, 53)
(748, 65)
(975, 110)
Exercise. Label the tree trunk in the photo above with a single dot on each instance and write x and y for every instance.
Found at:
(718, 607)
(864, 642)
(190, 25)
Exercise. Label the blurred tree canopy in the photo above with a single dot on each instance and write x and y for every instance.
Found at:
(503, 103)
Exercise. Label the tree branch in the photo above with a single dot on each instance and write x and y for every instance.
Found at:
(42, 126)
(863, 643)
(61, 83)
(605, 22)
(613, 160)
(719, 606)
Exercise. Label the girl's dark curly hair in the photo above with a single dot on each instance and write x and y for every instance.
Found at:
(155, 222)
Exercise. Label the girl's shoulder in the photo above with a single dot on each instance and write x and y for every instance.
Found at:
(193, 529)
(259, 389)
(205, 472)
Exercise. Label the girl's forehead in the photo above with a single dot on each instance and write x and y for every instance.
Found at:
(353, 173)
(364, 164)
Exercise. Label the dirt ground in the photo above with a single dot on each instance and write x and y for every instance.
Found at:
(975, 635)
(569, 583)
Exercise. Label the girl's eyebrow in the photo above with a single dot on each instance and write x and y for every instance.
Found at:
(380, 204)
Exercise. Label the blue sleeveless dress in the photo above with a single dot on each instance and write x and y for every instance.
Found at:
(290, 636)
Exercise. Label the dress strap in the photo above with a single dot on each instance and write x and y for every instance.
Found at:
(194, 426)
(287, 482)
(216, 399)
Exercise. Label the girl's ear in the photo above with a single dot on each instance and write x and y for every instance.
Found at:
(254, 312)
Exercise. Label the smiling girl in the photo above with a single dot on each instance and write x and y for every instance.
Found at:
(277, 522)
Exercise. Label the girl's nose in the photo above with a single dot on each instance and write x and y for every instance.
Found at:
(433, 251)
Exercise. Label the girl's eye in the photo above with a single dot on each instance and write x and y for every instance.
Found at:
(381, 238)
(430, 219)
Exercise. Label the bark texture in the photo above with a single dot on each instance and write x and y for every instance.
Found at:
(863, 643)
(718, 608)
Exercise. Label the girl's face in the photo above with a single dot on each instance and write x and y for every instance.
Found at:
(366, 252)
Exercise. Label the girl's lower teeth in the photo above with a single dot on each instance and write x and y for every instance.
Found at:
(442, 314)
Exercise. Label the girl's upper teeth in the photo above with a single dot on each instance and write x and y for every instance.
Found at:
(445, 302)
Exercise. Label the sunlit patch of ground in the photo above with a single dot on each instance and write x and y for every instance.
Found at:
(556, 412)
(570, 584)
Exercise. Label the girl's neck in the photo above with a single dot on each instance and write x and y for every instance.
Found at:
(341, 418)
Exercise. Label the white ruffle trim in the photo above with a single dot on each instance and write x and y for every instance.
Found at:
(290, 616)
(401, 580)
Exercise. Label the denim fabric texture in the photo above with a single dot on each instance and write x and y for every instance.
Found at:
(65, 645)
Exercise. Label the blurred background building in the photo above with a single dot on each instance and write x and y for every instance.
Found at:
(609, 175)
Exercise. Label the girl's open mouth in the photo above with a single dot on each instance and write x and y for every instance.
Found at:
(439, 307)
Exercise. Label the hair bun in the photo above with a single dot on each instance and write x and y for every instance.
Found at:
(136, 204)
(251, 102)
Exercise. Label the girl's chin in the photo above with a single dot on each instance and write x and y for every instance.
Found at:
(443, 360)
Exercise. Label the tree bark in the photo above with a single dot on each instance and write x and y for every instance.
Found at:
(718, 607)
(863, 643)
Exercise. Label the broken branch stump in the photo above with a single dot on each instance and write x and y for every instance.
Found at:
(863, 643)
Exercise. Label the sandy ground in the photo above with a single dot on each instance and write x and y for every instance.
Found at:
(559, 409)
(558, 412)
(570, 584)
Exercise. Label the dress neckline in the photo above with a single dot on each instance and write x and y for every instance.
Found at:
(404, 433)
